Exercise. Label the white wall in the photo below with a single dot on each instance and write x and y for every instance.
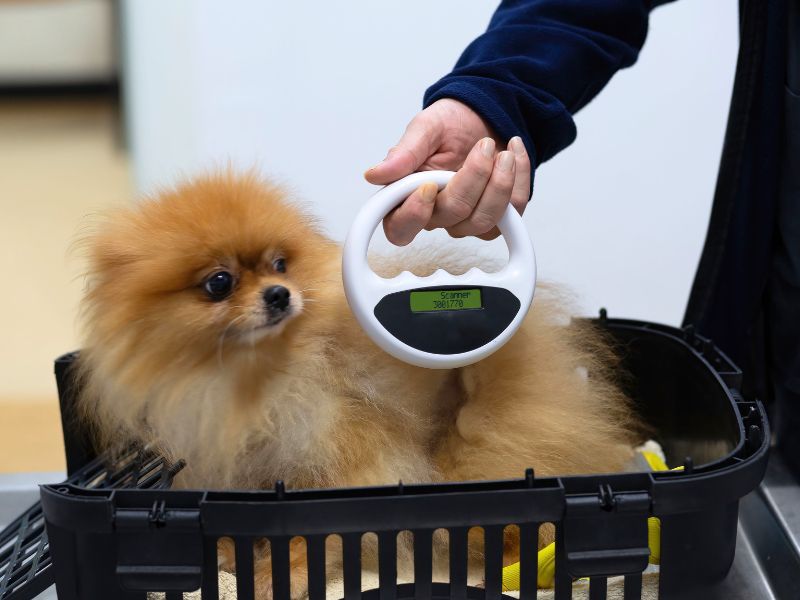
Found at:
(316, 95)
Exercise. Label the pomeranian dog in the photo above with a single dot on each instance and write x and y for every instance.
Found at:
(216, 328)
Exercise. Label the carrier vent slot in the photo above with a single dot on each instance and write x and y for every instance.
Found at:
(245, 582)
(351, 565)
(315, 546)
(387, 564)
(633, 587)
(528, 563)
(423, 562)
(210, 586)
(493, 561)
(279, 550)
(458, 562)
(598, 586)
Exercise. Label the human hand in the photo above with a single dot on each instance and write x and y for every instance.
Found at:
(451, 136)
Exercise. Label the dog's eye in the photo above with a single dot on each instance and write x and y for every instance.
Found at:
(219, 285)
(279, 265)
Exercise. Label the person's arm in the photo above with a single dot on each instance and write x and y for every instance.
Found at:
(538, 63)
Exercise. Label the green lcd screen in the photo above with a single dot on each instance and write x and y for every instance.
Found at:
(430, 301)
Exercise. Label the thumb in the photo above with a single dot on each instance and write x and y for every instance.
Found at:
(419, 141)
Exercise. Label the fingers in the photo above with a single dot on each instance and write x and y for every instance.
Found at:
(472, 203)
(494, 200)
(521, 193)
(420, 140)
(404, 223)
(457, 201)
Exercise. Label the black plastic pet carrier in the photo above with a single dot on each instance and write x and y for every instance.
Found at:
(123, 542)
(25, 559)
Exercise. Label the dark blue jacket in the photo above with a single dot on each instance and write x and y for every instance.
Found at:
(540, 61)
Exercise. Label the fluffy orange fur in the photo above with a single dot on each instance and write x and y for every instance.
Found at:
(311, 400)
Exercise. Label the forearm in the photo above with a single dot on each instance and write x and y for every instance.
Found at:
(540, 61)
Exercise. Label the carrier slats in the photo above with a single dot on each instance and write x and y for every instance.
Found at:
(563, 587)
(563, 580)
(351, 565)
(423, 563)
(245, 582)
(598, 586)
(315, 547)
(528, 563)
(210, 586)
(279, 548)
(15, 553)
(387, 565)
(493, 552)
(633, 587)
(458, 562)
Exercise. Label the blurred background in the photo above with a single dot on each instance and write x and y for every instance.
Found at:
(101, 102)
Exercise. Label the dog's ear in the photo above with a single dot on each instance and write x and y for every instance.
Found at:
(109, 253)
(107, 242)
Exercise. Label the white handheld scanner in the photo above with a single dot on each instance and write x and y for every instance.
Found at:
(441, 321)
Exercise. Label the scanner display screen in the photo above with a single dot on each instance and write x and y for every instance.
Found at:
(438, 300)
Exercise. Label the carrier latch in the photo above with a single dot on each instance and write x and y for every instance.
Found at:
(605, 534)
(159, 549)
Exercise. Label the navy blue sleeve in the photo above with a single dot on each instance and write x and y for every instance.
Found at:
(540, 61)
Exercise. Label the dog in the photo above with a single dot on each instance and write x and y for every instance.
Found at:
(215, 328)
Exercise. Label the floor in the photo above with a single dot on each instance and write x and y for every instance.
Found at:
(60, 161)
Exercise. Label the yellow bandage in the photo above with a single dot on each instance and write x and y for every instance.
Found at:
(654, 460)
(546, 570)
(511, 578)
(654, 540)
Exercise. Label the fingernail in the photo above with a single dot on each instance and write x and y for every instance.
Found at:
(429, 192)
(516, 145)
(487, 147)
(505, 161)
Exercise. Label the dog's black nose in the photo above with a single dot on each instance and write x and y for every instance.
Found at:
(276, 297)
